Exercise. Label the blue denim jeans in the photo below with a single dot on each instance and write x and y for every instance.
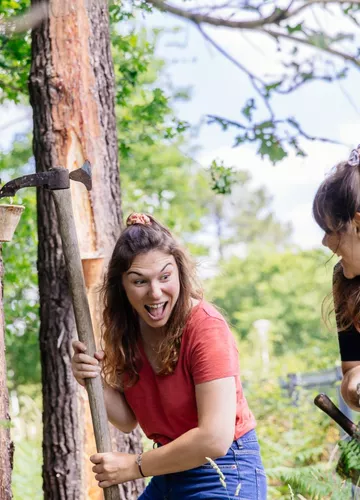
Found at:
(242, 468)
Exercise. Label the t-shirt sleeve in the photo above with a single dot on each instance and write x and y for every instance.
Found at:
(349, 339)
(213, 353)
(349, 344)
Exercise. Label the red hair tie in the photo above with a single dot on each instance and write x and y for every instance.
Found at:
(136, 218)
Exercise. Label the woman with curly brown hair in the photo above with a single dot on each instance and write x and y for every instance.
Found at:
(170, 363)
(336, 209)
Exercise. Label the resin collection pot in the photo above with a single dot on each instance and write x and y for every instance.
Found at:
(9, 219)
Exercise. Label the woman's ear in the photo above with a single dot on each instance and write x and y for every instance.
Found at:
(356, 221)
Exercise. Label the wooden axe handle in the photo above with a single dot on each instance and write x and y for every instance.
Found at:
(325, 404)
(62, 198)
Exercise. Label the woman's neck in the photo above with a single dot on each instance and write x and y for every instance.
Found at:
(151, 335)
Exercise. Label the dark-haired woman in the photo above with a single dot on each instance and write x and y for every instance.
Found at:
(336, 209)
(170, 363)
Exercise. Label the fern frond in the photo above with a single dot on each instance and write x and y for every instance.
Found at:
(316, 482)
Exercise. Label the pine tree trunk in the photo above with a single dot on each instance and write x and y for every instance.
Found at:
(72, 95)
(6, 445)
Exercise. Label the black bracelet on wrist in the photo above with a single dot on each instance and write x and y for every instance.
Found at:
(138, 461)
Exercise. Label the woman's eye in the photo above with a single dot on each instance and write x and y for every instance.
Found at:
(165, 277)
(139, 282)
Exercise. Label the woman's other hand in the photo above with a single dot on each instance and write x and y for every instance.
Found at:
(85, 366)
(350, 385)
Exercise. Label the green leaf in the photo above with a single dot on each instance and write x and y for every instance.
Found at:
(294, 29)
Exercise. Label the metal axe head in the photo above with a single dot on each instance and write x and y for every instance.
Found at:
(56, 178)
(83, 175)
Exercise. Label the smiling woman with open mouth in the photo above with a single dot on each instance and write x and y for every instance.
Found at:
(336, 209)
(170, 363)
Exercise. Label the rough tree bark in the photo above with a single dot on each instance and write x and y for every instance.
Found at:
(72, 95)
(6, 445)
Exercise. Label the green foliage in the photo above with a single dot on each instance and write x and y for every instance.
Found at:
(159, 180)
(296, 441)
(285, 288)
(144, 111)
(349, 462)
(18, 160)
(273, 138)
(316, 482)
(123, 11)
(156, 176)
(223, 178)
(242, 215)
(26, 477)
(27, 434)
(14, 55)
(20, 279)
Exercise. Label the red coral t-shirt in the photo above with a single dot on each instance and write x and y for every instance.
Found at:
(165, 405)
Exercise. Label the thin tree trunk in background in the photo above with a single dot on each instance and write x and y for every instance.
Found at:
(219, 230)
(6, 445)
(72, 95)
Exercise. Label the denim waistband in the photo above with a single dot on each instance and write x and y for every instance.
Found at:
(249, 437)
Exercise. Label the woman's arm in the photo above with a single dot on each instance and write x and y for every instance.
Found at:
(216, 405)
(350, 382)
(349, 346)
(84, 366)
(118, 411)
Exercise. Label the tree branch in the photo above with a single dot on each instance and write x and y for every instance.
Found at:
(224, 122)
(276, 17)
(198, 18)
(311, 3)
(30, 19)
(222, 51)
(343, 55)
(253, 78)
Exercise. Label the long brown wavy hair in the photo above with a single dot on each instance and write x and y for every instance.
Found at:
(335, 204)
(121, 328)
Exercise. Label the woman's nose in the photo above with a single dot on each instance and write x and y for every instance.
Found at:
(325, 240)
(155, 291)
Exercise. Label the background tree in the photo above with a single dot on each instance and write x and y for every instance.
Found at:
(73, 100)
(243, 215)
(309, 50)
(286, 288)
(156, 174)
